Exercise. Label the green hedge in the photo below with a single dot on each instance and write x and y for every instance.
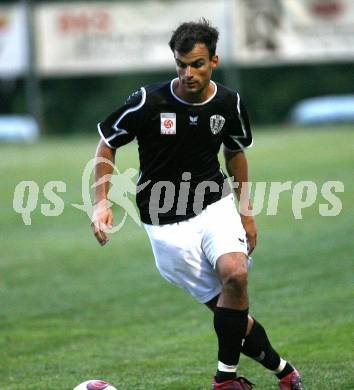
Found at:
(77, 104)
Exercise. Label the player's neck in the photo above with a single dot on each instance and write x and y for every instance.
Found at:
(199, 97)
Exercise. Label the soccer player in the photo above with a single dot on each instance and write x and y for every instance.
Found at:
(199, 240)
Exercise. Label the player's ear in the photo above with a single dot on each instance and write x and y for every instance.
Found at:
(214, 61)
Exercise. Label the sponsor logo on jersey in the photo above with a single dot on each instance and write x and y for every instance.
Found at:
(216, 123)
(168, 123)
(193, 120)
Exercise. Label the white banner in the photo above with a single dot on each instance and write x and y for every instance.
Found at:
(101, 37)
(273, 31)
(13, 43)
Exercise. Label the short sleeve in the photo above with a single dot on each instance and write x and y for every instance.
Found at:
(238, 136)
(120, 127)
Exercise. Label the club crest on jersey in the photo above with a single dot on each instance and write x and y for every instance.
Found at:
(168, 123)
(193, 120)
(216, 123)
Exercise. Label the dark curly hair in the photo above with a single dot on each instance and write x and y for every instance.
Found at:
(188, 34)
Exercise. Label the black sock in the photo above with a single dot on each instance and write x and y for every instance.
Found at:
(230, 326)
(222, 376)
(257, 346)
(286, 371)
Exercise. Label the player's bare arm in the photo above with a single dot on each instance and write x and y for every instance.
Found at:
(102, 218)
(237, 167)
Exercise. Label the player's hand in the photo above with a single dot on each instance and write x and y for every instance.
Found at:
(102, 221)
(249, 224)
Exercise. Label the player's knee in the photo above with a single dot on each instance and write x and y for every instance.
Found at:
(236, 280)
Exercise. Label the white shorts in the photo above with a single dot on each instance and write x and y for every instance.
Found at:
(186, 252)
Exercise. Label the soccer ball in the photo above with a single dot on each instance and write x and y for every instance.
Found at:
(94, 384)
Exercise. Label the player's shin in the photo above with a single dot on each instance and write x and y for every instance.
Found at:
(230, 326)
(258, 347)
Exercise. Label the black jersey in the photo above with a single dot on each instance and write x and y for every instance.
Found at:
(178, 147)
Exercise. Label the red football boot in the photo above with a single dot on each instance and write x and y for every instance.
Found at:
(239, 383)
(291, 382)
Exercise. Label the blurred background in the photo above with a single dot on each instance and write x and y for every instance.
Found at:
(68, 64)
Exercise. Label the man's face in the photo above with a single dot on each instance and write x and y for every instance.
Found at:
(194, 70)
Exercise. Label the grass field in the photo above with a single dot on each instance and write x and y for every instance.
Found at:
(71, 310)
